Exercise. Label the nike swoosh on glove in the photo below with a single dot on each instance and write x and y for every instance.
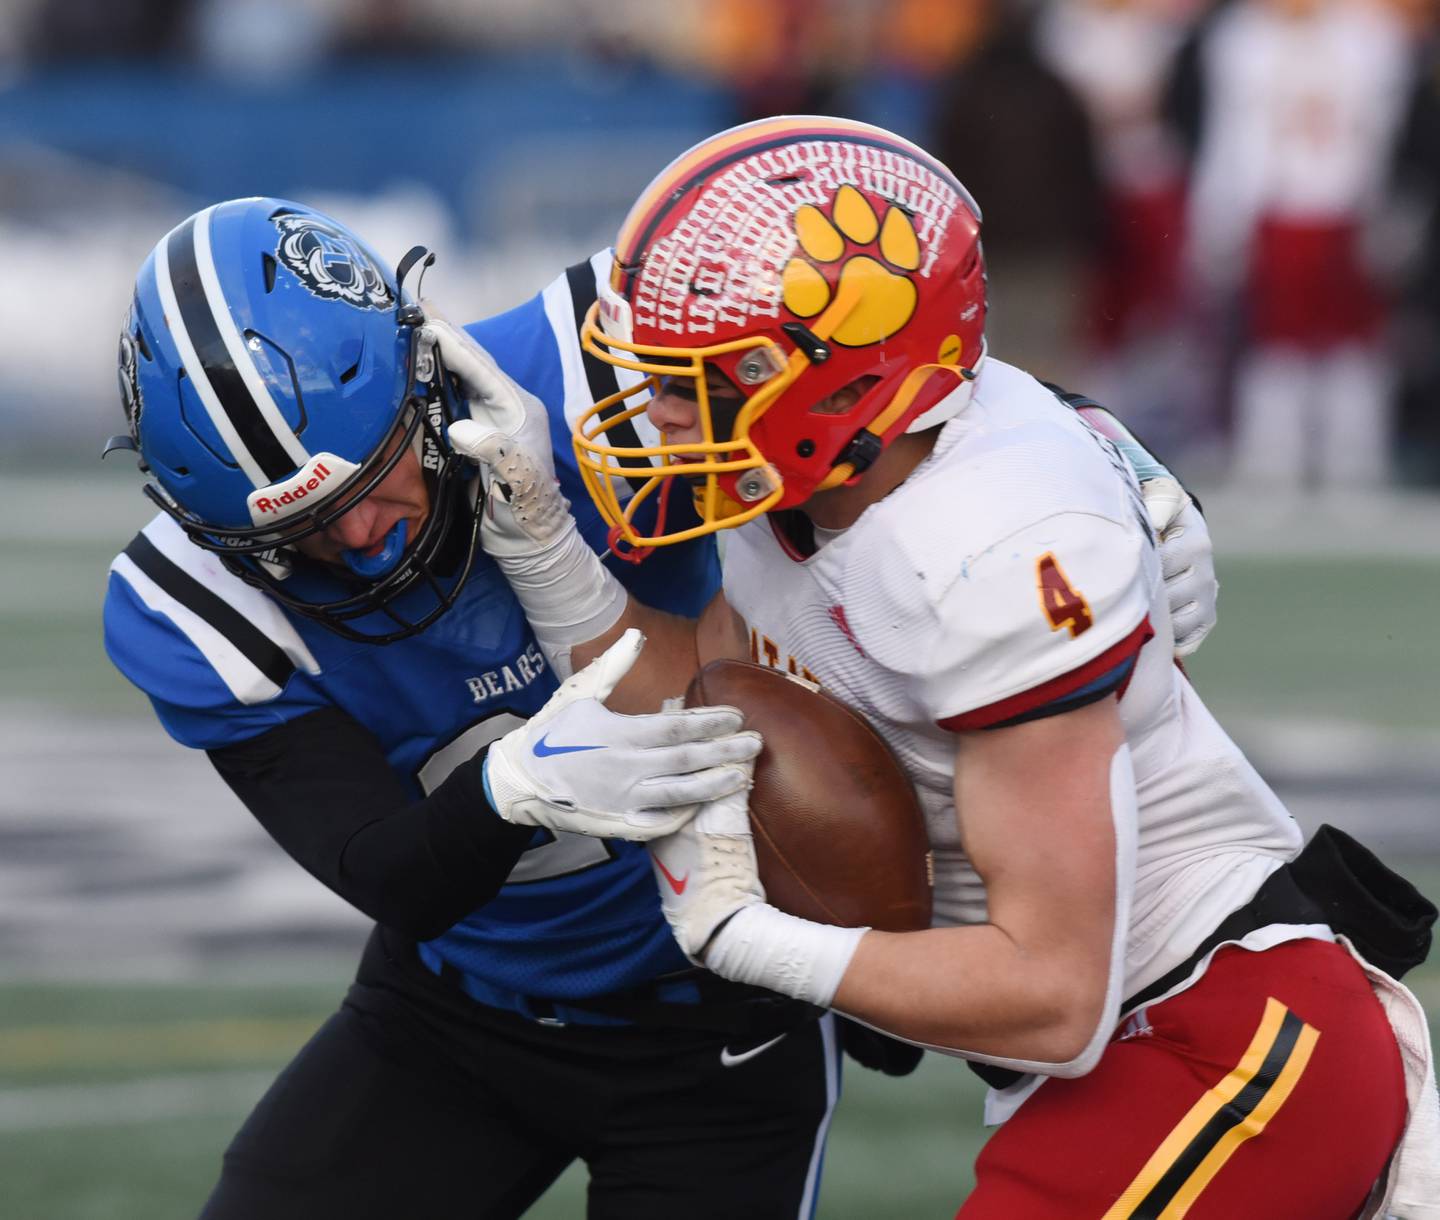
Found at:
(706, 871)
(578, 767)
(1187, 562)
(712, 897)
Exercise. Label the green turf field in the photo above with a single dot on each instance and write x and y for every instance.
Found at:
(116, 1099)
(1318, 638)
(895, 1143)
(75, 1059)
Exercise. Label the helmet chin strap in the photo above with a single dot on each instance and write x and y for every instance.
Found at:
(385, 559)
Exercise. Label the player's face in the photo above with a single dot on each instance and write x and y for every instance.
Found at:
(676, 411)
(401, 495)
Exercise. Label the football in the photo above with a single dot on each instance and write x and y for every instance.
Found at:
(839, 834)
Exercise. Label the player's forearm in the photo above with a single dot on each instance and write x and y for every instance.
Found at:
(976, 989)
(1046, 810)
(323, 790)
(425, 867)
(666, 665)
(675, 649)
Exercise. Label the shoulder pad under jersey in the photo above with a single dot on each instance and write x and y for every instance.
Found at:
(1039, 581)
(198, 640)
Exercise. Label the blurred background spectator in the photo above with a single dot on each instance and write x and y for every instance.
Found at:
(1019, 138)
(1220, 218)
(1301, 103)
(65, 31)
(1118, 56)
(1416, 195)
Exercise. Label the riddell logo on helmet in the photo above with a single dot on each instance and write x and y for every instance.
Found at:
(320, 476)
(268, 504)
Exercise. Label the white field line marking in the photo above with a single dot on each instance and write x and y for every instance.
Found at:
(131, 1101)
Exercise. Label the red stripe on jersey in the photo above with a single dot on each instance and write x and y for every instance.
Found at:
(1056, 688)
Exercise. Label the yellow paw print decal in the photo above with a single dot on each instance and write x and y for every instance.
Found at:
(886, 298)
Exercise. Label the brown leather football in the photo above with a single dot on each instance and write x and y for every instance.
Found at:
(839, 834)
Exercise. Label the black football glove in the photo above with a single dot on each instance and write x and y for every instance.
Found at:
(876, 1051)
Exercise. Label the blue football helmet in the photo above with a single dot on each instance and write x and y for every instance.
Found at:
(272, 376)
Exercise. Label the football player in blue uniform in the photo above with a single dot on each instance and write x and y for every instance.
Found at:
(312, 607)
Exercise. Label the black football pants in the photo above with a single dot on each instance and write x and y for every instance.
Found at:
(412, 1101)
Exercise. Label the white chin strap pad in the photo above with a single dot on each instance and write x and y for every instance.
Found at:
(953, 403)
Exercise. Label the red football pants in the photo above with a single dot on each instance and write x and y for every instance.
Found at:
(1272, 1089)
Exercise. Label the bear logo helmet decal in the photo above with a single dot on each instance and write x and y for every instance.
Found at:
(330, 263)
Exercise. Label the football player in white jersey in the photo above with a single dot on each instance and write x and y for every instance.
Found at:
(1128, 939)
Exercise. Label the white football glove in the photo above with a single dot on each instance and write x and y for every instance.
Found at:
(508, 434)
(1187, 561)
(567, 594)
(706, 871)
(711, 894)
(578, 767)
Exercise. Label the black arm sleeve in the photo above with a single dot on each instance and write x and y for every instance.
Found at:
(323, 789)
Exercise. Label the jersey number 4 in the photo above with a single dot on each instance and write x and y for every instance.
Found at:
(1063, 606)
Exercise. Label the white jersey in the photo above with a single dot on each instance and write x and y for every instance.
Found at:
(1015, 572)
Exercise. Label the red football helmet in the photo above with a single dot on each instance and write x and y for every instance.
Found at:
(785, 259)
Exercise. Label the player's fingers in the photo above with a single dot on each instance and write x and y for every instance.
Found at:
(1191, 621)
(735, 750)
(726, 815)
(696, 787)
(614, 663)
(696, 723)
(470, 362)
(1165, 501)
(646, 824)
(474, 440)
(1190, 641)
(1176, 577)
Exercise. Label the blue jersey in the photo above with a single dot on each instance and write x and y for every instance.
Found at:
(223, 662)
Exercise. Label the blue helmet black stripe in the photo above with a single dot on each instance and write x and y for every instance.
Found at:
(216, 365)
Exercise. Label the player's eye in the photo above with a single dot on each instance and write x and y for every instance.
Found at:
(679, 387)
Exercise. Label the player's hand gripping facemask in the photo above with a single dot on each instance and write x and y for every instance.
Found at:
(507, 432)
(568, 596)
